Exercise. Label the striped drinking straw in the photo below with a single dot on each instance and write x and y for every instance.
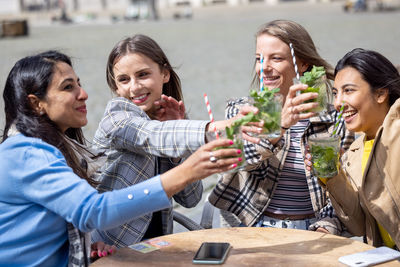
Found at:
(261, 73)
(211, 115)
(338, 120)
(294, 62)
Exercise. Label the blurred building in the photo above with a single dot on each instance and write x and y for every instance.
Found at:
(18, 6)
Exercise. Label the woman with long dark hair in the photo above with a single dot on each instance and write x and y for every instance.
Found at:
(46, 191)
(365, 193)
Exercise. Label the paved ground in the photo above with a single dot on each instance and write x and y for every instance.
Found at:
(213, 52)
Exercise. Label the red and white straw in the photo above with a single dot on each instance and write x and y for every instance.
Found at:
(211, 115)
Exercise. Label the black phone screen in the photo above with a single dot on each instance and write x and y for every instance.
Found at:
(209, 251)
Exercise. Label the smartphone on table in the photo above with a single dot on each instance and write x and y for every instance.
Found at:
(212, 253)
(370, 257)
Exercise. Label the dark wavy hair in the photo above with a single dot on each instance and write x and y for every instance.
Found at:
(375, 69)
(143, 44)
(33, 75)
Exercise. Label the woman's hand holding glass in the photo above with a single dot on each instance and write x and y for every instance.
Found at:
(295, 108)
(252, 127)
(201, 164)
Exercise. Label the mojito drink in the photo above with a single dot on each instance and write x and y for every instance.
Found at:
(325, 152)
(269, 104)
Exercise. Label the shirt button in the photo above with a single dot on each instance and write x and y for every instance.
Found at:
(348, 163)
(146, 191)
(130, 196)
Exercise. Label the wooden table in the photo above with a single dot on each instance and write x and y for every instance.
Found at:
(251, 246)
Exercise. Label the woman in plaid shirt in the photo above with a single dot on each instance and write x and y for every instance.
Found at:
(138, 145)
(276, 190)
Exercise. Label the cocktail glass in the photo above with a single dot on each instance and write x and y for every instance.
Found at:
(325, 152)
(323, 88)
(269, 111)
(237, 144)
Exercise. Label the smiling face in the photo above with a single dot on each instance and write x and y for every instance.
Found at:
(278, 68)
(139, 79)
(65, 99)
(364, 111)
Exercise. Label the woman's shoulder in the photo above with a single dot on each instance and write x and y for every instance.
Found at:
(120, 108)
(119, 113)
(122, 104)
(233, 105)
(28, 147)
(237, 101)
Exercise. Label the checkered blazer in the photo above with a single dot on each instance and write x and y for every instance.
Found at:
(137, 149)
(248, 193)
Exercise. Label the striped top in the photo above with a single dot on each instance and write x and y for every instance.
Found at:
(292, 196)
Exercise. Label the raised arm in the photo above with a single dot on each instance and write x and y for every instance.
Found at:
(125, 126)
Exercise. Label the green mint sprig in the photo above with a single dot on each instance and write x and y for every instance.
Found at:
(310, 77)
(264, 96)
(234, 129)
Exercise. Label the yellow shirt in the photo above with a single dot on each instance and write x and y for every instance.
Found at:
(387, 239)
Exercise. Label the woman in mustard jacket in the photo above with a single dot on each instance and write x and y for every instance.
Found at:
(366, 192)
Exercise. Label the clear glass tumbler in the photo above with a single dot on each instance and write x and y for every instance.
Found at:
(325, 152)
(237, 144)
(269, 111)
(324, 99)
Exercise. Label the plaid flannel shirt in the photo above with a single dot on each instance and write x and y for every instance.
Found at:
(247, 193)
(137, 149)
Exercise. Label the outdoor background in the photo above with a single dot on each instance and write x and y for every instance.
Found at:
(213, 52)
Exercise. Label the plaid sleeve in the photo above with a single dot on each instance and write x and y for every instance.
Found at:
(191, 195)
(329, 220)
(126, 127)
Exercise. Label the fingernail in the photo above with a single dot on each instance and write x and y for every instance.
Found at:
(234, 165)
(104, 253)
(93, 254)
(99, 254)
(110, 251)
(231, 142)
(239, 151)
(240, 159)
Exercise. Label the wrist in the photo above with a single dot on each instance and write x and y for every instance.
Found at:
(175, 180)
(285, 128)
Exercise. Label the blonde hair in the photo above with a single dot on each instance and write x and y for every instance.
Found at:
(291, 32)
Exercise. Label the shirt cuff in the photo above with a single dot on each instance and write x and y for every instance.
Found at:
(134, 201)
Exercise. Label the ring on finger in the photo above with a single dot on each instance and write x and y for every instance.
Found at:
(213, 158)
